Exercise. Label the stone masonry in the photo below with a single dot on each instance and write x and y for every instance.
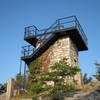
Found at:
(10, 90)
(62, 48)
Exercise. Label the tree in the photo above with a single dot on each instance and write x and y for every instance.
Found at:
(19, 82)
(35, 85)
(97, 75)
(86, 80)
(50, 84)
(0, 85)
(3, 88)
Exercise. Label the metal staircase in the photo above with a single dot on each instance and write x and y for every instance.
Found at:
(65, 26)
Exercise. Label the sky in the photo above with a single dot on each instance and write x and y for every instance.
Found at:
(17, 14)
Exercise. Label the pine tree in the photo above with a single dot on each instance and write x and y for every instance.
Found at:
(56, 75)
(86, 80)
(97, 76)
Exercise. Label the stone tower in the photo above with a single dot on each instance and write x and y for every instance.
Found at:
(64, 39)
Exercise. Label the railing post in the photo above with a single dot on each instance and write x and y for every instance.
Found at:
(33, 49)
(58, 24)
(35, 31)
(24, 76)
(20, 66)
(28, 31)
(75, 21)
(25, 32)
(24, 51)
(28, 52)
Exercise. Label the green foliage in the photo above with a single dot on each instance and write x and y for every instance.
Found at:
(19, 82)
(97, 75)
(3, 87)
(60, 69)
(35, 89)
(34, 70)
(35, 85)
(56, 74)
(86, 80)
(58, 92)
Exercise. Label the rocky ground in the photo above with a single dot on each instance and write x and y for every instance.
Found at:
(95, 95)
(3, 97)
(90, 91)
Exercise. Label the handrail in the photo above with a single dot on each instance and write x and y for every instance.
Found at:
(59, 24)
(81, 31)
(27, 50)
(32, 26)
(67, 17)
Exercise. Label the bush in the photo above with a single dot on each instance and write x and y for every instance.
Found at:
(35, 89)
(86, 80)
(58, 92)
(97, 75)
(39, 80)
(19, 82)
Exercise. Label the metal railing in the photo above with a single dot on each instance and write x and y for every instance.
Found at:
(58, 25)
(27, 50)
(30, 31)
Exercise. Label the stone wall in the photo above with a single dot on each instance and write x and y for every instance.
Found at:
(73, 54)
(74, 61)
(56, 52)
(10, 90)
(62, 48)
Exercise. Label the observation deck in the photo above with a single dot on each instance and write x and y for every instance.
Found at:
(68, 26)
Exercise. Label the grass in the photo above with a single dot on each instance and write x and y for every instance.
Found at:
(22, 95)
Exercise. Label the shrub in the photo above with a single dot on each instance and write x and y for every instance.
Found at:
(39, 80)
(97, 75)
(86, 80)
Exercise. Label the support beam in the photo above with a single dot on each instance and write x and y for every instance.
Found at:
(20, 66)
(24, 75)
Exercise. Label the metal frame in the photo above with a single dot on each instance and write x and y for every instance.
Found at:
(58, 25)
(27, 50)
